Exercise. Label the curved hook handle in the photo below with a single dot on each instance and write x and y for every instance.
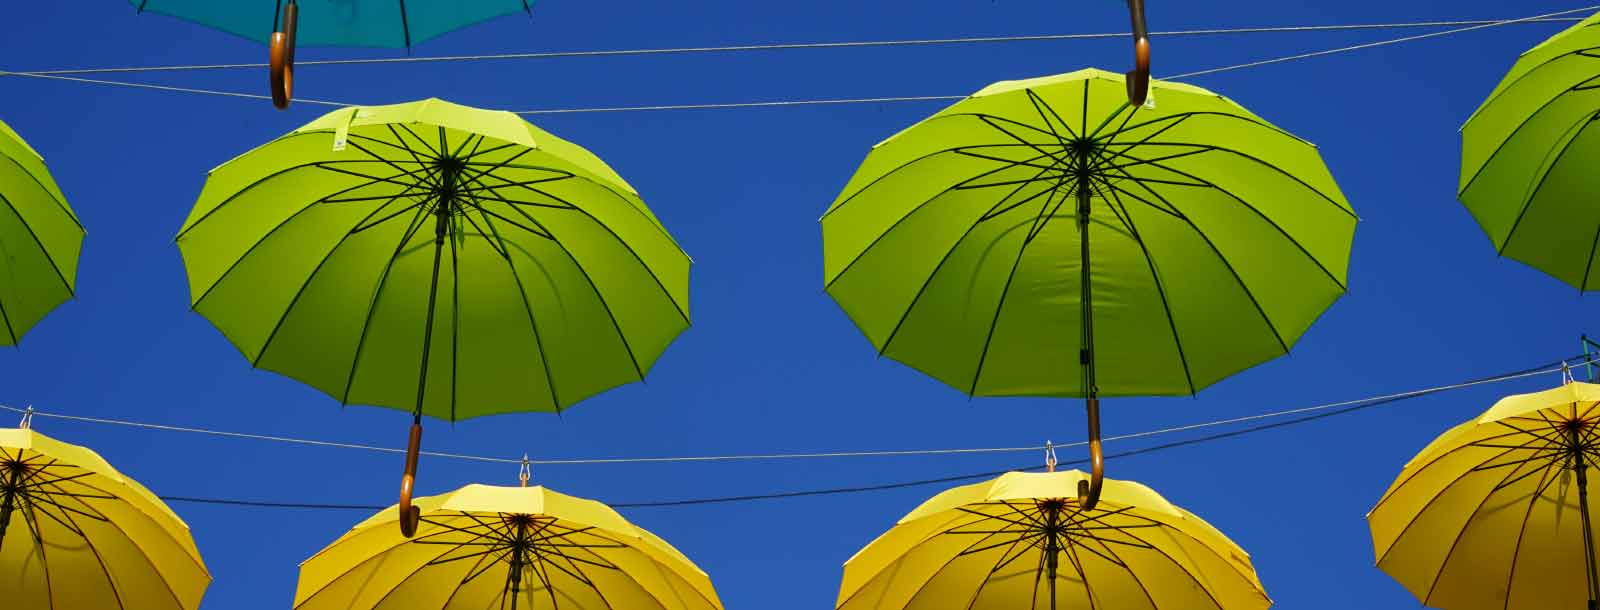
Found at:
(282, 57)
(1139, 79)
(1089, 491)
(410, 515)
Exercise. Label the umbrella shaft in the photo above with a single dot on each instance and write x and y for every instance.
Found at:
(1580, 464)
(9, 503)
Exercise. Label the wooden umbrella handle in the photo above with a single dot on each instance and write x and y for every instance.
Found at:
(282, 57)
(1138, 80)
(410, 515)
(1089, 491)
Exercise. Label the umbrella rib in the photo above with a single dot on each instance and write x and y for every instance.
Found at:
(999, 564)
(604, 304)
(37, 242)
(1432, 500)
(299, 292)
(273, 231)
(1545, 484)
(1194, 578)
(1155, 275)
(116, 592)
(995, 321)
(1516, 549)
(1077, 566)
(32, 521)
(624, 243)
(1040, 106)
(1235, 274)
(372, 306)
(1252, 208)
(918, 208)
(1509, 137)
(1544, 176)
(527, 306)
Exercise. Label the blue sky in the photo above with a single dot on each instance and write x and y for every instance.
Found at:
(771, 364)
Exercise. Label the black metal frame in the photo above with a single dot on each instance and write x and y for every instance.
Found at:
(1055, 527)
(532, 547)
(1550, 439)
(37, 486)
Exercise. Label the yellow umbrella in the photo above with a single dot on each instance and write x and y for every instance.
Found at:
(507, 548)
(1021, 542)
(1494, 513)
(75, 534)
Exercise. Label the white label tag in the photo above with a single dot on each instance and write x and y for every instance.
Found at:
(341, 136)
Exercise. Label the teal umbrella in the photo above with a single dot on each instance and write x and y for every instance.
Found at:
(345, 23)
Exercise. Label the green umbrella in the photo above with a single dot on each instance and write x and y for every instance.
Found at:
(436, 258)
(39, 239)
(1529, 154)
(1045, 238)
(349, 23)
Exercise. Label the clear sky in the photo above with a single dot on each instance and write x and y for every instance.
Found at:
(771, 364)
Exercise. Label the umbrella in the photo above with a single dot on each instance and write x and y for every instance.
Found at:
(1528, 156)
(77, 534)
(1495, 512)
(352, 23)
(444, 260)
(1022, 541)
(1045, 238)
(503, 547)
(39, 239)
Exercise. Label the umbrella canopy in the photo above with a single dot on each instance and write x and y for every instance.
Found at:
(1528, 156)
(1043, 231)
(39, 239)
(1493, 514)
(353, 23)
(76, 534)
(513, 548)
(436, 258)
(1022, 542)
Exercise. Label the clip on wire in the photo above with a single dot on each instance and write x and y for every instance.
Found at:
(525, 471)
(1049, 456)
(1566, 373)
(27, 418)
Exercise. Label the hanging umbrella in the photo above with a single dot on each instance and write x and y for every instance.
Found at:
(1022, 542)
(1495, 514)
(345, 23)
(1045, 238)
(39, 239)
(444, 260)
(503, 547)
(76, 534)
(1528, 156)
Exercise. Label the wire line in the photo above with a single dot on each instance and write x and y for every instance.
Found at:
(1381, 399)
(808, 46)
(1326, 411)
(1468, 25)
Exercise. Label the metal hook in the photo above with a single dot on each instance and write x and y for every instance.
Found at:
(1138, 79)
(1566, 373)
(27, 418)
(525, 472)
(1049, 456)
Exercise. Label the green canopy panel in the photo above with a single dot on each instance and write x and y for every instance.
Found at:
(1214, 240)
(1529, 155)
(40, 238)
